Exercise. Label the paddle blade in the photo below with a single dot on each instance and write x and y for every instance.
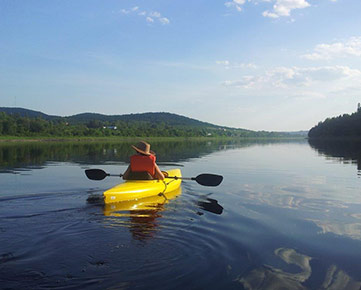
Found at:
(95, 174)
(209, 179)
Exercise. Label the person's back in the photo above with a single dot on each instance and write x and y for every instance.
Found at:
(143, 164)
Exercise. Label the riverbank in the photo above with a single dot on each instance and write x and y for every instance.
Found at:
(18, 139)
(96, 139)
(91, 139)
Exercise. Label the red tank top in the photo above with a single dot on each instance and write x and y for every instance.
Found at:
(143, 163)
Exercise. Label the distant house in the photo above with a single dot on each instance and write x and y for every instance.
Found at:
(110, 127)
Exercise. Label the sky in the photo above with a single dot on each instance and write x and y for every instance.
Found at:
(276, 65)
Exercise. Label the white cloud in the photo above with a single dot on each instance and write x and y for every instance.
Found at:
(234, 65)
(164, 20)
(237, 4)
(351, 47)
(284, 8)
(269, 14)
(125, 11)
(150, 17)
(294, 78)
(155, 14)
(223, 62)
(331, 73)
(280, 8)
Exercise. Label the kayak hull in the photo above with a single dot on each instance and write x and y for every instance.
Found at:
(138, 189)
(142, 207)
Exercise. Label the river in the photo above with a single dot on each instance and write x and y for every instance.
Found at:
(287, 215)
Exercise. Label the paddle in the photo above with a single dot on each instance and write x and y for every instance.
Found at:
(98, 174)
(205, 179)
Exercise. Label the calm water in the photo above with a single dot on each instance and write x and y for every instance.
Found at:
(288, 214)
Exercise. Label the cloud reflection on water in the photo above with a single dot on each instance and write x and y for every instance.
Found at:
(351, 230)
(270, 277)
(325, 210)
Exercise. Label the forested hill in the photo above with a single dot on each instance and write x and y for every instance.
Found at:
(169, 118)
(345, 126)
(23, 122)
(26, 113)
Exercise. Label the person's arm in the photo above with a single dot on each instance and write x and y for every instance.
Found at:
(126, 173)
(158, 174)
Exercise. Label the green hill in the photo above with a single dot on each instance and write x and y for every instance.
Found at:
(345, 126)
(26, 113)
(172, 119)
(23, 122)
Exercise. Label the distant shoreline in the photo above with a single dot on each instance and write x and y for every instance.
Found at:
(14, 139)
(336, 138)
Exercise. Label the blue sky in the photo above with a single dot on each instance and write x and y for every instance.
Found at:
(278, 65)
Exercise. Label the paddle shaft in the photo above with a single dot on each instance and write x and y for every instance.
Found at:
(117, 175)
(203, 179)
(184, 178)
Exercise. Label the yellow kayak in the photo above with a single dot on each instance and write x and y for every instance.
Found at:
(138, 189)
(142, 207)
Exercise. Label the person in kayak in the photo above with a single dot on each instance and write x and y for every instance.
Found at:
(143, 164)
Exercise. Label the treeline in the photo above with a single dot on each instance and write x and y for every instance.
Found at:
(345, 126)
(15, 125)
(25, 126)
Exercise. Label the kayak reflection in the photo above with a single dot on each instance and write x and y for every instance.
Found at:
(140, 216)
(211, 205)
